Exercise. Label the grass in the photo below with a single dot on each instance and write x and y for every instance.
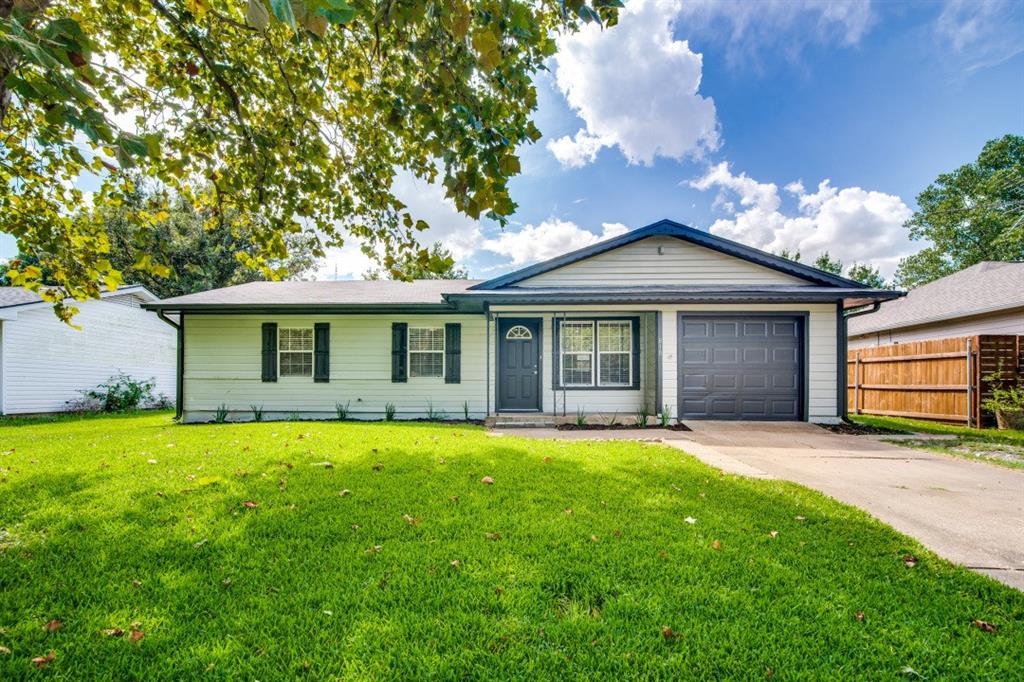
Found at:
(1001, 447)
(397, 561)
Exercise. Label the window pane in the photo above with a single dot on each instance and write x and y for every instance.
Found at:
(577, 337)
(426, 338)
(295, 339)
(296, 364)
(615, 369)
(615, 336)
(426, 364)
(578, 369)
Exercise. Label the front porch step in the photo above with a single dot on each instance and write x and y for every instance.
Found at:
(521, 421)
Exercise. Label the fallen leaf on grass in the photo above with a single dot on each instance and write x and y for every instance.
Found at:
(136, 634)
(150, 461)
(453, 498)
(136, 583)
(568, 510)
(374, 550)
(356, 526)
(487, 480)
(4, 651)
(716, 545)
(547, 460)
(379, 466)
(984, 626)
(201, 542)
(325, 465)
(909, 560)
(667, 633)
(594, 538)
(54, 625)
(456, 563)
(859, 616)
(249, 504)
(690, 520)
(774, 534)
(499, 590)
(412, 521)
(492, 536)
(226, 582)
(112, 632)
(800, 518)
(42, 661)
(345, 493)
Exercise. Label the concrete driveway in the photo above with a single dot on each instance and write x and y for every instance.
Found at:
(971, 513)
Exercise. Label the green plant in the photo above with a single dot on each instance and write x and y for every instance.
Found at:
(295, 417)
(665, 416)
(389, 412)
(432, 414)
(581, 417)
(642, 416)
(612, 420)
(465, 410)
(342, 410)
(221, 415)
(257, 412)
(1006, 401)
(117, 394)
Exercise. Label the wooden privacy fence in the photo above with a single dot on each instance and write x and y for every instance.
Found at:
(941, 379)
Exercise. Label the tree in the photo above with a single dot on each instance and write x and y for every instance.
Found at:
(972, 214)
(828, 264)
(433, 263)
(198, 258)
(865, 274)
(790, 255)
(293, 115)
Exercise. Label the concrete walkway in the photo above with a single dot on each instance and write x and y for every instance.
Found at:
(971, 513)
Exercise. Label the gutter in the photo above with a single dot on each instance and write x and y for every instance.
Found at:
(179, 371)
(842, 339)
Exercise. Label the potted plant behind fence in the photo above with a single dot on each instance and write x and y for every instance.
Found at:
(1006, 401)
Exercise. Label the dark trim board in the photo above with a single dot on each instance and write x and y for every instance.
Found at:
(803, 319)
(497, 361)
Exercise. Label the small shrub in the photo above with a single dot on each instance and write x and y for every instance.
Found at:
(295, 417)
(119, 393)
(257, 412)
(614, 418)
(162, 402)
(581, 417)
(389, 412)
(465, 410)
(665, 416)
(432, 414)
(221, 415)
(642, 415)
(342, 410)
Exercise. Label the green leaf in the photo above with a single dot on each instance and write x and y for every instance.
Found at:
(338, 12)
(257, 16)
(283, 11)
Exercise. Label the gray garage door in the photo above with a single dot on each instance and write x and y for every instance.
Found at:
(740, 367)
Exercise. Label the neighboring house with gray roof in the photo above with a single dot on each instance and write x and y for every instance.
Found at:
(45, 363)
(987, 298)
(665, 318)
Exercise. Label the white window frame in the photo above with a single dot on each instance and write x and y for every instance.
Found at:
(629, 352)
(596, 353)
(311, 352)
(409, 351)
(562, 353)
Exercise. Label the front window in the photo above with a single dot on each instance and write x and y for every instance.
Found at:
(426, 351)
(604, 347)
(295, 352)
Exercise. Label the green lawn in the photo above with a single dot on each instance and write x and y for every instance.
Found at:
(569, 566)
(1005, 448)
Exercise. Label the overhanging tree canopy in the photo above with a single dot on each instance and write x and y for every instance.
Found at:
(297, 114)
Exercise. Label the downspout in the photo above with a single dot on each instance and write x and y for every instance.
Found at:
(179, 373)
(487, 324)
(841, 352)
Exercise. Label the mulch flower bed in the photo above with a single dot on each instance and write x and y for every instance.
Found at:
(852, 429)
(621, 427)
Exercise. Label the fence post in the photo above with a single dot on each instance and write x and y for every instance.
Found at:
(970, 387)
(856, 383)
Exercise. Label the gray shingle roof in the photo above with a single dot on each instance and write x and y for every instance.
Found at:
(10, 296)
(347, 292)
(986, 287)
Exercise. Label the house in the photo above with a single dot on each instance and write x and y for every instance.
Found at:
(665, 317)
(44, 363)
(987, 298)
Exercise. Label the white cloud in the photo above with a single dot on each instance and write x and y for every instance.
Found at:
(457, 232)
(779, 25)
(551, 238)
(850, 223)
(981, 33)
(636, 88)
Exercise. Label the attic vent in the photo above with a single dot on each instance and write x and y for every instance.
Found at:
(518, 332)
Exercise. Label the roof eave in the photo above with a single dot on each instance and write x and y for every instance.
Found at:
(296, 308)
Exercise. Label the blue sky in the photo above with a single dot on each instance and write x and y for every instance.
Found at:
(710, 112)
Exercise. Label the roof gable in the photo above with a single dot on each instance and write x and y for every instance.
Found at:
(670, 229)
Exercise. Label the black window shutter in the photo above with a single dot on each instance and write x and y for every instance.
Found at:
(269, 351)
(636, 352)
(452, 353)
(399, 352)
(321, 352)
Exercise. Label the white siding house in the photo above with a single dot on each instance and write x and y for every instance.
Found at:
(662, 319)
(45, 363)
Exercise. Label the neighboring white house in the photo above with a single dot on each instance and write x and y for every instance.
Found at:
(45, 363)
(663, 318)
(987, 298)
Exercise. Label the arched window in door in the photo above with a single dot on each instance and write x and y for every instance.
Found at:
(518, 332)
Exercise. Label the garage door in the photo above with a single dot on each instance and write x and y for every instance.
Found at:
(740, 367)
